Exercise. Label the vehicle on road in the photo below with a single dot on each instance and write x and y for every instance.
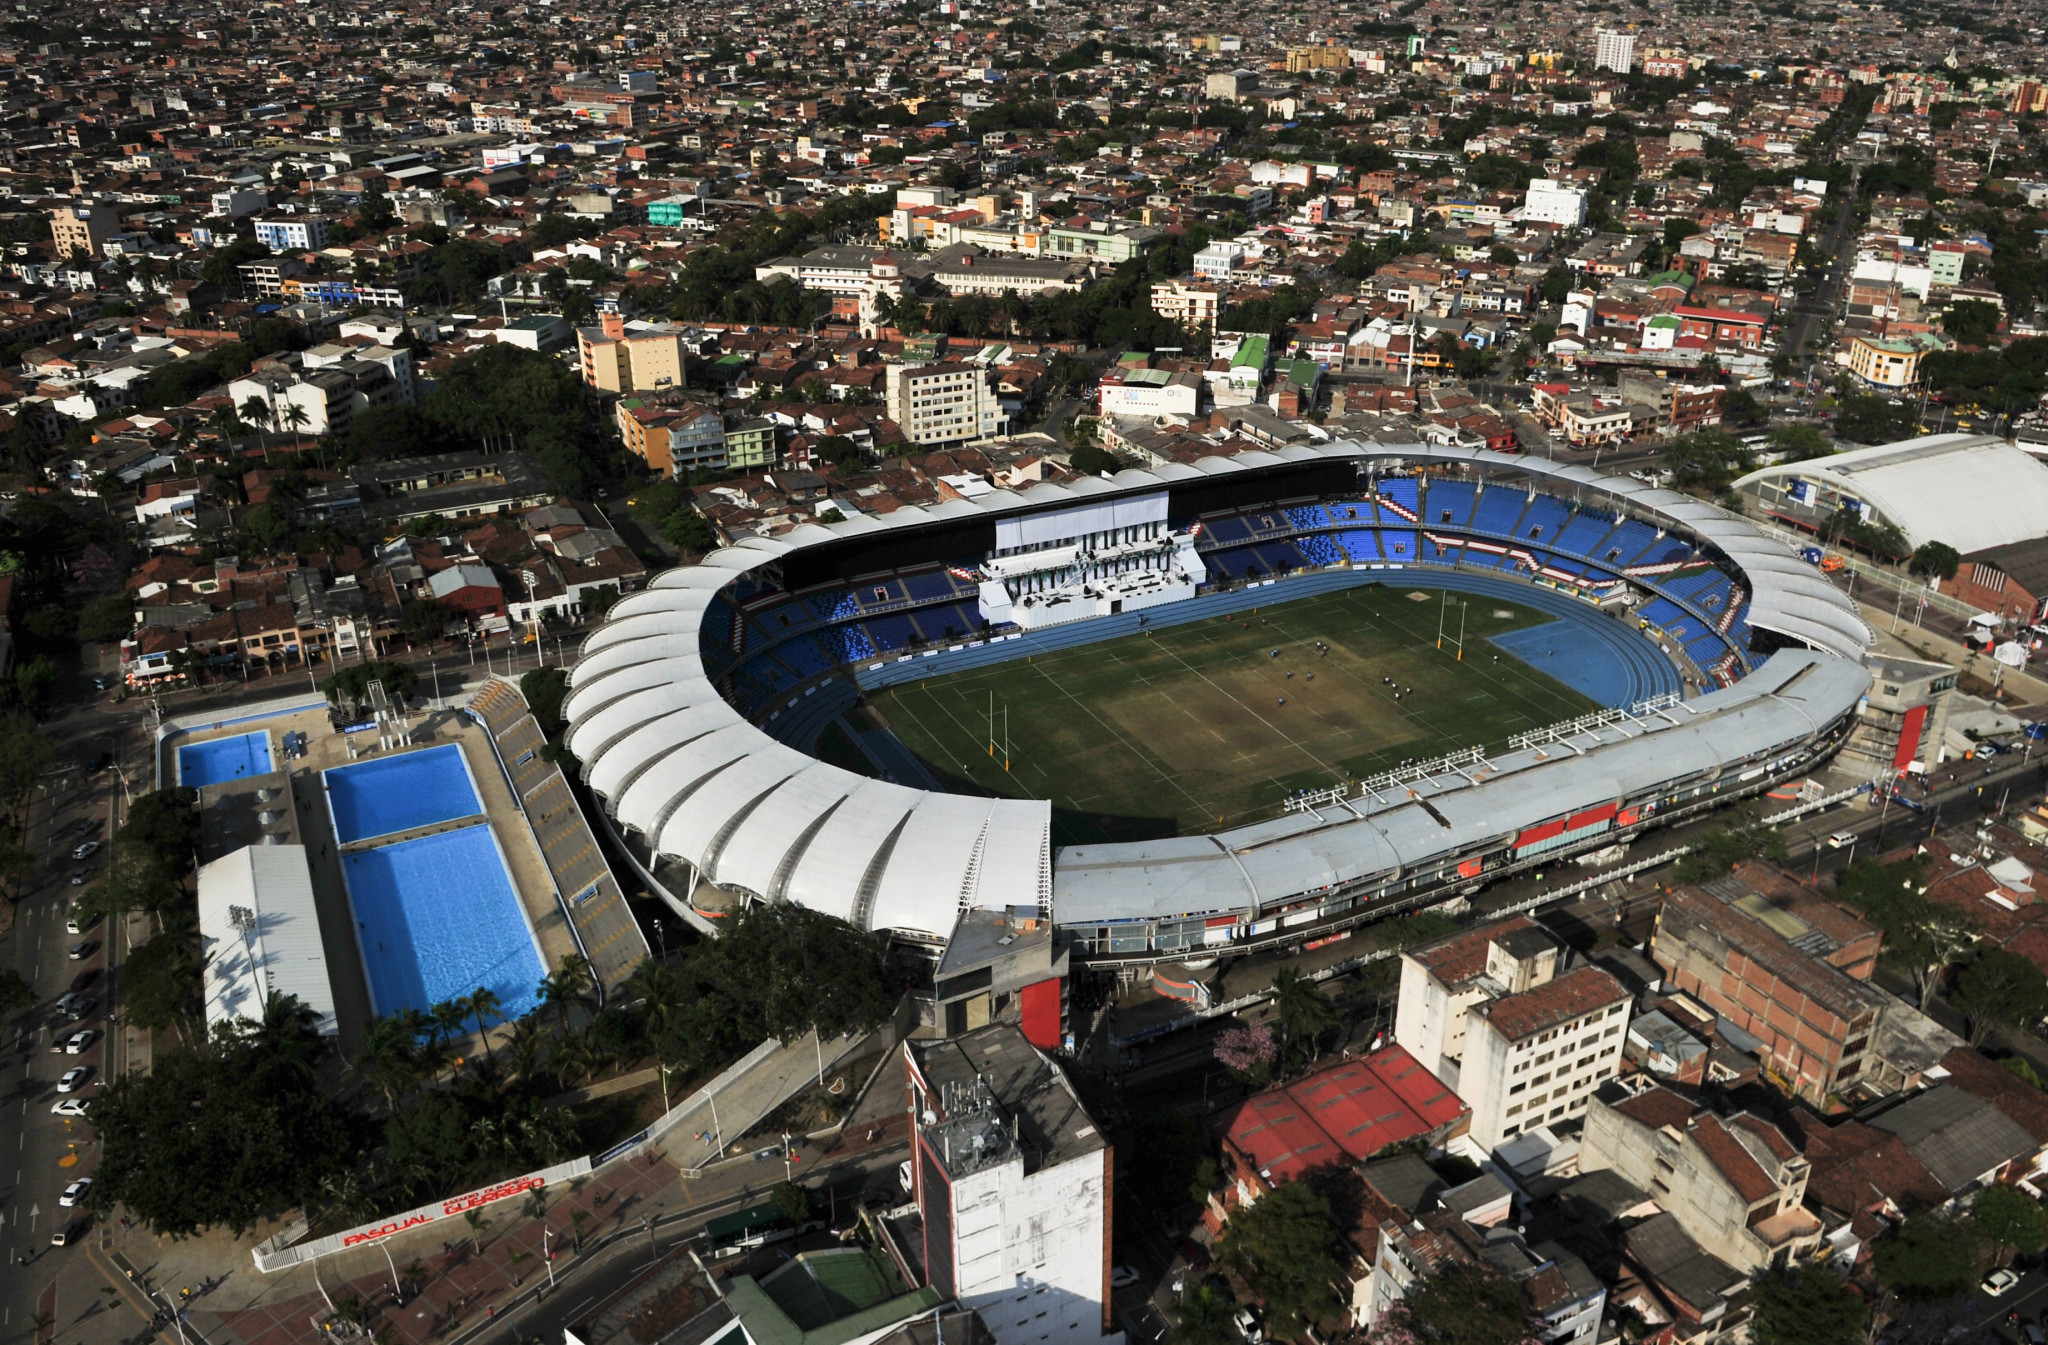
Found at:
(83, 949)
(84, 979)
(86, 851)
(76, 1043)
(1123, 1277)
(74, 1079)
(78, 877)
(1247, 1323)
(1998, 1281)
(68, 1106)
(1840, 839)
(69, 1233)
(75, 1192)
(74, 1007)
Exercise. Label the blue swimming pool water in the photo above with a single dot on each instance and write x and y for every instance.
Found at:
(390, 794)
(222, 759)
(437, 918)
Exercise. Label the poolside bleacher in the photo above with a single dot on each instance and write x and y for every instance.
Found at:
(590, 893)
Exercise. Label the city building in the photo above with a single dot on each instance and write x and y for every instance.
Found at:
(1189, 305)
(1614, 50)
(1013, 1180)
(1216, 261)
(1905, 717)
(674, 438)
(1971, 491)
(1885, 364)
(292, 233)
(1552, 202)
(1783, 966)
(83, 228)
(1736, 1184)
(2009, 582)
(618, 356)
(257, 915)
(939, 404)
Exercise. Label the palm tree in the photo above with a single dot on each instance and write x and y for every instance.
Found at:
(450, 1017)
(255, 411)
(386, 1060)
(1305, 1012)
(568, 988)
(525, 1046)
(478, 1221)
(295, 416)
(1205, 1318)
(484, 1002)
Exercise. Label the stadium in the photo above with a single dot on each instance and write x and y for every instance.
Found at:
(1205, 708)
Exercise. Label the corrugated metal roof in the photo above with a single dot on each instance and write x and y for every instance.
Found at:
(275, 948)
(1941, 487)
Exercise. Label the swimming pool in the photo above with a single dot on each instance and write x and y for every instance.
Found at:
(223, 759)
(392, 794)
(437, 919)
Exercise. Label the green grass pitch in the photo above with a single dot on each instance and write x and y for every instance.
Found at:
(1183, 730)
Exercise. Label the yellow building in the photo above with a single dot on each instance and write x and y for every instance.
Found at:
(646, 358)
(82, 228)
(1885, 364)
(1301, 59)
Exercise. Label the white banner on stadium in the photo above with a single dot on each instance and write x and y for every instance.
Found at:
(453, 1207)
(1063, 524)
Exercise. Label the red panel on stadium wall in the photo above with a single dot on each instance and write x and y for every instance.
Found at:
(1470, 868)
(1590, 817)
(1042, 1014)
(1909, 737)
(1542, 833)
(1219, 921)
(1627, 817)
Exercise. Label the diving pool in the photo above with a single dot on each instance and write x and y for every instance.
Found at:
(223, 759)
(392, 794)
(437, 919)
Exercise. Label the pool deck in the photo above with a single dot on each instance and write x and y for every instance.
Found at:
(324, 749)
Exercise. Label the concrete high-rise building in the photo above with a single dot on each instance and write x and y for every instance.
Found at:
(83, 228)
(1552, 202)
(643, 357)
(1013, 1179)
(1614, 50)
(940, 404)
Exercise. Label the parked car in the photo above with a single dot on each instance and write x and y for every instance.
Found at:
(75, 1192)
(1998, 1281)
(83, 949)
(84, 979)
(86, 851)
(78, 876)
(70, 1233)
(76, 1043)
(75, 1007)
(74, 1079)
(68, 1106)
(1122, 1277)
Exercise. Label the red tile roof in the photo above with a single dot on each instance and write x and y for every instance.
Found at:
(1351, 1110)
(1573, 995)
(1463, 955)
(1733, 1161)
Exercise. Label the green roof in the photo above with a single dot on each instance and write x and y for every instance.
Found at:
(1148, 378)
(1303, 373)
(799, 1309)
(1251, 353)
(1679, 278)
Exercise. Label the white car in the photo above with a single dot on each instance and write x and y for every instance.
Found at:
(86, 851)
(68, 1106)
(74, 1079)
(75, 1192)
(1122, 1277)
(1998, 1281)
(1840, 839)
(76, 1043)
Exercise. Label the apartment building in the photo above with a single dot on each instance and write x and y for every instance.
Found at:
(1679, 407)
(1885, 364)
(1189, 305)
(1736, 1184)
(316, 401)
(1614, 50)
(618, 356)
(672, 439)
(292, 233)
(1012, 1178)
(1781, 964)
(83, 228)
(939, 404)
(1442, 982)
(1550, 202)
(1535, 1058)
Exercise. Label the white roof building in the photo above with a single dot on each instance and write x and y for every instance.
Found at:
(1972, 491)
(261, 933)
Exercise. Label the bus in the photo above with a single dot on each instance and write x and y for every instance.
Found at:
(742, 1230)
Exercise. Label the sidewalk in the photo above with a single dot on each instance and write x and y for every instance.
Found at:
(2020, 688)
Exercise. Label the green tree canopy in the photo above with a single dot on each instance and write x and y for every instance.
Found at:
(1922, 938)
(2010, 1220)
(2001, 989)
(1807, 1306)
(1800, 443)
(1287, 1249)
(1468, 1304)
(1936, 560)
(1928, 1257)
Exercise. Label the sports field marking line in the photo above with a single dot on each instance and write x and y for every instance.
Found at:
(1285, 737)
(1171, 778)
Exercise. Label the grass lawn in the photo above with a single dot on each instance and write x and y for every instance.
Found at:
(1183, 730)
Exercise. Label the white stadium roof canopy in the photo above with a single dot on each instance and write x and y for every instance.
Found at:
(1972, 491)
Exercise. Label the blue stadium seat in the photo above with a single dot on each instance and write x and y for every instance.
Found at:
(1401, 490)
(805, 656)
(931, 586)
(1362, 544)
(1669, 617)
(1450, 503)
(1543, 520)
(890, 632)
(1398, 546)
(1226, 530)
(1351, 511)
(1581, 536)
(1278, 556)
(1666, 552)
(1707, 650)
(1307, 516)
(1498, 509)
(870, 593)
(851, 643)
(1318, 549)
(1629, 541)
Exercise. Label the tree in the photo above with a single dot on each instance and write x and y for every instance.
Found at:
(1707, 460)
(1806, 1306)
(1304, 1011)
(784, 970)
(265, 526)
(1971, 322)
(1205, 1318)
(1247, 1048)
(2001, 989)
(2010, 1220)
(545, 689)
(482, 1004)
(25, 753)
(1463, 1304)
(162, 985)
(1923, 938)
(352, 684)
(1286, 1248)
(1743, 838)
(225, 1133)
(1799, 443)
(105, 620)
(1935, 560)
(793, 1201)
(1928, 1257)
(1091, 460)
